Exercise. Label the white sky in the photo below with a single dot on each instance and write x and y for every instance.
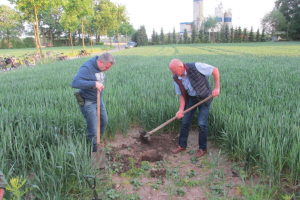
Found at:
(167, 14)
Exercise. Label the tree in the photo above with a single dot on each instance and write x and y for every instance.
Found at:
(185, 36)
(33, 6)
(201, 36)
(222, 34)
(257, 38)
(291, 11)
(140, 36)
(251, 35)
(126, 29)
(273, 21)
(106, 18)
(239, 35)
(80, 8)
(180, 39)
(206, 38)
(169, 38)
(194, 34)
(10, 23)
(211, 23)
(121, 18)
(174, 41)
(69, 22)
(49, 23)
(236, 37)
(162, 36)
(245, 35)
(226, 34)
(90, 28)
(263, 36)
(231, 35)
(218, 37)
(153, 37)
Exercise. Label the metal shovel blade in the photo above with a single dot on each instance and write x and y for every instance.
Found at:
(144, 135)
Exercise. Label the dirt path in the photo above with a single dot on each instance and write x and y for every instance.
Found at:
(122, 47)
(170, 175)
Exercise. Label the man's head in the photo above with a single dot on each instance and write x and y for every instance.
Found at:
(105, 61)
(176, 67)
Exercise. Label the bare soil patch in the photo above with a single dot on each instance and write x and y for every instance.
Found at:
(170, 174)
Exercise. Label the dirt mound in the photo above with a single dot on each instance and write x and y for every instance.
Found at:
(141, 150)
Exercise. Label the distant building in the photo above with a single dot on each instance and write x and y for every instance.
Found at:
(223, 18)
(198, 19)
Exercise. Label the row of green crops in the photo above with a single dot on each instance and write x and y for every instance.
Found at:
(66, 50)
(256, 114)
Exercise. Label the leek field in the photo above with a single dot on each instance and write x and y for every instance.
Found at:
(255, 119)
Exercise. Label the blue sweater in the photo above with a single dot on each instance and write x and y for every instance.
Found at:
(86, 78)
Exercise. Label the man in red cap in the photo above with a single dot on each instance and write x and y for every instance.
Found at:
(192, 85)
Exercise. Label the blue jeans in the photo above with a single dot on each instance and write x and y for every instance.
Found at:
(202, 123)
(89, 111)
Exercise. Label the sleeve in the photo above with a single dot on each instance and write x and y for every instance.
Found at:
(204, 68)
(82, 80)
(177, 89)
(2, 181)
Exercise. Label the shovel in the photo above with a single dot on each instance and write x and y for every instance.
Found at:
(146, 136)
(99, 158)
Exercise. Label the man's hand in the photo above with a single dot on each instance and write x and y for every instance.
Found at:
(99, 86)
(215, 92)
(179, 115)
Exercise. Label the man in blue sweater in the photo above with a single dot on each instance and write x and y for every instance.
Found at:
(89, 79)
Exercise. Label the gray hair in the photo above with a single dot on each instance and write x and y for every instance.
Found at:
(106, 58)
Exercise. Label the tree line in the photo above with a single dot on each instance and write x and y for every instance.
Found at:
(59, 22)
(225, 35)
(52, 20)
(285, 17)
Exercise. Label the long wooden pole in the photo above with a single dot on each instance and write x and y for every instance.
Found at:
(98, 120)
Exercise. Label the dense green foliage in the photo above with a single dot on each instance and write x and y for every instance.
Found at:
(291, 11)
(140, 36)
(255, 118)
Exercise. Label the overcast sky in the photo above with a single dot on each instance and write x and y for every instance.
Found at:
(166, 14)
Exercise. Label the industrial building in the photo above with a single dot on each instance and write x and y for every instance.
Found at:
(224, 18)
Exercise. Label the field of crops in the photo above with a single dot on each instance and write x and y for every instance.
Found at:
(66, 50)
(255, 118)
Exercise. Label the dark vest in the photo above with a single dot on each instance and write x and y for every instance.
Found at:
(198, 81)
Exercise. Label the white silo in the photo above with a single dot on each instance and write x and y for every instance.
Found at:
(198, 13)
(228, 18)
(219, 13)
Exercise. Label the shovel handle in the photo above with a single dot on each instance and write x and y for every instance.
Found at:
(98, 119)
(187, 110)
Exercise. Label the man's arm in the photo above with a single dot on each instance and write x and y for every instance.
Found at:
(179, 114)
(1, 193)
(216, 76)
(81, 80)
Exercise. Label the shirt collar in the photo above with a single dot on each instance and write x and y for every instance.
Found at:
(179, 77)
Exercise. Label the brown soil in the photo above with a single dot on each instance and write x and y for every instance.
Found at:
(158, 153)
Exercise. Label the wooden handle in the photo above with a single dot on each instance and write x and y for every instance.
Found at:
(187, 110)
(98, 119)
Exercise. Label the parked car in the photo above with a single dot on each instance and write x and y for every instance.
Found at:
(130, 45)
